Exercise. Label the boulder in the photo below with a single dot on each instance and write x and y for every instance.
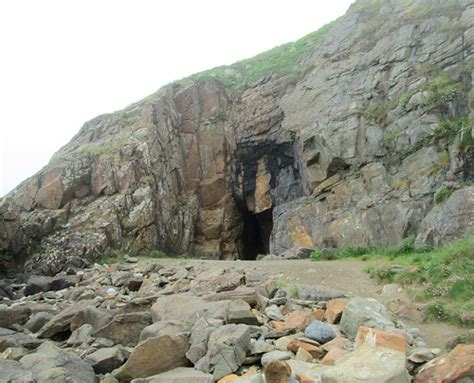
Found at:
(13, 371)
(52, 364)
(94, 316)
(226, 350)
(154, 356)
(242, 317)
(64, 281)
(275, 355)
(106, 359)
(295, 344)
(37, 284)
(457, 366)
(38, 320)
(364, 312)
(125, 329)
(335, 308)
(10, 316)
(198, 340)
(298, 319)
(277, 371)
(178, 375)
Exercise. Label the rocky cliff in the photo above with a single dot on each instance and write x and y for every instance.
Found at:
(343, 137)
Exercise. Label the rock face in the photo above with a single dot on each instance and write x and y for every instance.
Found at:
(346, 147)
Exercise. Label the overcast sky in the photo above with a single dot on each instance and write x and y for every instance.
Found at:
(63, 62)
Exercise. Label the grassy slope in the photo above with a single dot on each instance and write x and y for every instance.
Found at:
(442, 277)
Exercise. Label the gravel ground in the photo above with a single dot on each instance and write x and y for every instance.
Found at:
(345, 275)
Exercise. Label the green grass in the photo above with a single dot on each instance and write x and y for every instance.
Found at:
(443, 193)
(282, 60)
(443, 277)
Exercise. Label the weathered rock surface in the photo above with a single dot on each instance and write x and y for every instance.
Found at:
(457, 366)
(153, 356)
(347, 149)
(52, 364)
(178, 375)
(364, 312)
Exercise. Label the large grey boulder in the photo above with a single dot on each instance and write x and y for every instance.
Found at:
(226, 350)
(448, 220)
(12, 371)
(198, 340)
(10, 316)
(38, 320)
(366, 312)
(55, 365)
(37, 284)
(178, 375)
(154, 356)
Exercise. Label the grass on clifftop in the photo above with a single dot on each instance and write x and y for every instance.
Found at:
(443, 278)
(281, 60)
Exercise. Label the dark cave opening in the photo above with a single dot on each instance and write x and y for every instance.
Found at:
(256, 231)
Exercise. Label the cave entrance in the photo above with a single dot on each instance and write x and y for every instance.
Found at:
(256, 231)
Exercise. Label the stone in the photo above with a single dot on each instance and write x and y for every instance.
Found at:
(171, 328)
(273, 312)
(37, 284)
(154, 356)
(11, 316)
(365, 365)
(243, 317)
(337, 344)
(379, 338)
(178, 375)
(277, 371)
(81, 336)
(275, 355)
(226, 350)
(334, 309)
(298, 319)
(12, 371)
(464, 338)
(200, 333)
(260, 347)
(421, 355)
(188, 308)
(457, 366)
(317, 293)
(303, 355)
(320, 332)
(64, 281)
(334, 356)
(125, 329)
(106, 359)
(60, 322)
(94, 316)
(315, 351)
(53, 364)
(364, 312)
(38, 320)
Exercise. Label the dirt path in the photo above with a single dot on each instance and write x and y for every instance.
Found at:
(348, 276)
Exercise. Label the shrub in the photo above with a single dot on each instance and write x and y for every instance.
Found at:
(443, 193)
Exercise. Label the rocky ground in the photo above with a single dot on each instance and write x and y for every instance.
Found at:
(199, 321)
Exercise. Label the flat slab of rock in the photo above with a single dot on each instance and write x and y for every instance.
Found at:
(154, 356)
(53, 364)
(178, 375)
(106, 359)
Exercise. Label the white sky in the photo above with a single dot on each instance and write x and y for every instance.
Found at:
(62, 62)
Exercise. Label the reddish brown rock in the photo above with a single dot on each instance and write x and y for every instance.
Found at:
(277, 371)
(315, 351)
(456, 366)
(334, 309)
(298, 319)
(379, 338)
(334, 356)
